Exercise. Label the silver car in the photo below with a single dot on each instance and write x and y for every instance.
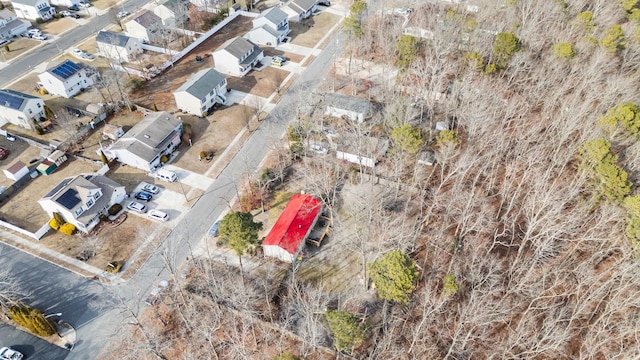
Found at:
(137, 207)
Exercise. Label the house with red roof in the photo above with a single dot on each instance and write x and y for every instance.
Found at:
(287, 237)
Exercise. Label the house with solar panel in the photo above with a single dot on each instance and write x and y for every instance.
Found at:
(33, 9)
(19, 108)
(237, 56)
(286, 239)
(66, 79)
(173, 13)
(146, 26)
(118, 46)
(203, 90)
(10, 25)
(298, 10)
(82, 199)
(270, 28)
(148, 143)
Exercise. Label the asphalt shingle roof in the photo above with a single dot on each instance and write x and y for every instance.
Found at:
(200, 84)
(147, 18)
(112, 38)
(149, 136)
(275, 15)
(238, 46)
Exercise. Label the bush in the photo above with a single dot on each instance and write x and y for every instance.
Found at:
(613, 39)
(114, 267)
(137, 82)
(53, 223)
(114, 209)
(67, 229)
(450, 285)
(32, 320)
(564, 50)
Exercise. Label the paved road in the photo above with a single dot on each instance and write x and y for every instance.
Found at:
(31, 347)
(52, 48)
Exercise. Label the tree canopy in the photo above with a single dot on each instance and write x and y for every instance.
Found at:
(504, 46)
(348, 330)
(406, 138)
(395, 276)
(613, 39)
(239, 232)
(408, 47)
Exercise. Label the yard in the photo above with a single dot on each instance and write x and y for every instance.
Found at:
(310, 31)
(18, 47)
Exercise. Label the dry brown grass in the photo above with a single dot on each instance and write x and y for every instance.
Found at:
(18, 47)
(58, 26)
(310, 31)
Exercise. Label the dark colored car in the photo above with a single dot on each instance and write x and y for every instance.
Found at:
(324, 2)
(73, 7)
(143, 196)
(4, 152)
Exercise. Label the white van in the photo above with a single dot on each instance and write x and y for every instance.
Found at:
(166, 175)
(158, 215)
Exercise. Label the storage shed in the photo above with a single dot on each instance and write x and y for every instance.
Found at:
(16, 171)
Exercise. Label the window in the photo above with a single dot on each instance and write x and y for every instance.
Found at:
(79, 211)
(89, 203)
(39, 105)
(97, 195)
(30, 112)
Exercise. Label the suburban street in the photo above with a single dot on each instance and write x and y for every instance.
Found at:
(67, 40)
(96, 311)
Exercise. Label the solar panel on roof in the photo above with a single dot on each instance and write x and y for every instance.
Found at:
(66, 69)
(58, 187)
(69, 199)
(10, 101)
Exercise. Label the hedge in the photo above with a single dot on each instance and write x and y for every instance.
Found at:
(32, 319)
(67, 229)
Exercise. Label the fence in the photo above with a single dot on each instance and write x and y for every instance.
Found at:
(37, 235)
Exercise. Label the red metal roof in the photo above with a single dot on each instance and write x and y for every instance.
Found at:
(294, 223)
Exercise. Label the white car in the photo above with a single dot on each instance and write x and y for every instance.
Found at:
(137, 207)
(65, 13)
(40, 37)
(9, 354)
(151, 189)
(158, 215)
(81, 54)
(84, 4)
(34, 32)
(123, 14)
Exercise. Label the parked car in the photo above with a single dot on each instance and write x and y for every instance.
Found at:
(34, 31)
(137, 207)
(144, 196)
(4, 152)
(40, 37)
(123, 14)
(4, 42)
(10, 137)
(324, 2)
(151, 189)
(73, 7)
(158, 215)
(213, 232)
(81, 54)
(84, 4)
(67, 13)
(276, 61)
(9, 354)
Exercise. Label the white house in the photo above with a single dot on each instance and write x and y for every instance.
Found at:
(287, 237)
(19, 108)
(82, 199)
(10, 25)
(352, 108)
(204, 89)
(145, 144)
(237, 56)
(117, 46)
(270, 28)
(67, 79)
(173, 13)
(33, 9)
(64, 3)
(298, 10)
(146, 26)
(361, 150)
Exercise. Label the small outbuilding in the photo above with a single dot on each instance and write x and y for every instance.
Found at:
(52, 162)
(287, 237)
(352, 108)
(16, 171)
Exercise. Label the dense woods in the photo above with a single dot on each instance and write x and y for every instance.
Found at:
(520, 242)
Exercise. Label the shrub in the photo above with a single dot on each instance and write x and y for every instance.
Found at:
(32, 320)
(114, 209)
(67, 229)
(164, 159)
(348, 330)
(114, 267)
(613, 39)
(450, 285)
(475, 60)
(585, 20)
(53, 223)
(447, 138)
(564, 50)
(137, 82)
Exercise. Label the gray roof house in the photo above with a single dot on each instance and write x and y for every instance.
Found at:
(82, 199)
(237, 56)
(201, 91)
(118, 46)
(353, 108)
(146, 26)
(10, 25)
(33, 9)
(173, 13)
(144, 145)
(19, 108)
(270, 28)
(298, 10)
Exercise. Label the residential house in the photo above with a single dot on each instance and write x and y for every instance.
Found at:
(10, 25)
(33, 9)
(298, 10)
(67, 79)
(203, 90)
(117, 46)
(350, 107)
(146, 26)
(361, 150)
(19, 108)
(270, 28)
(286, 238)
(237, 56)
(173, 13)
(65, 3)
(82, 199)
(146, 143)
